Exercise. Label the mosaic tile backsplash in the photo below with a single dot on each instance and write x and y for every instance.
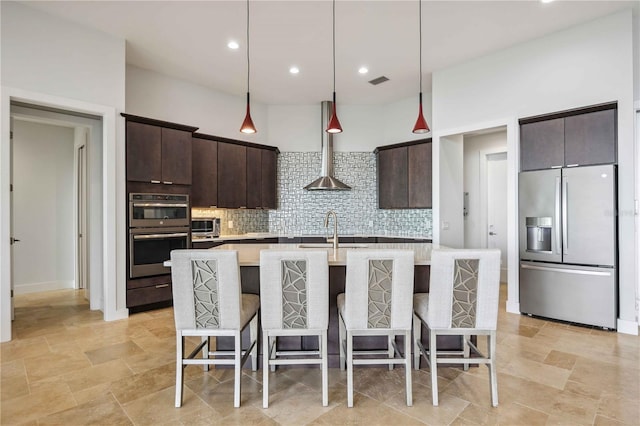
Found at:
(302, 212)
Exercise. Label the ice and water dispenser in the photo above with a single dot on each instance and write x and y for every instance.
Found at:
(539, 234)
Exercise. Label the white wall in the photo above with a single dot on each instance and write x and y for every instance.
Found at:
(450, 223)
(50, 61)
(43, 207)
(473, 145)
(154, 95)
(292, 128)
(49, 55)
(584, 65)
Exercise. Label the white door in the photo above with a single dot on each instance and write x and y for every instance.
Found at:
(497, 207)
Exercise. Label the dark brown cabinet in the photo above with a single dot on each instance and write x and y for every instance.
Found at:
(419, 175)
(254, 178)
(392, 179)
(261, 178)
(269, 178)
(158, 154)
(232, 176)
(580, 137)
(204, 173)
(404, 175)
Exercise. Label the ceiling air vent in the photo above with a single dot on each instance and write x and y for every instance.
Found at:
(378, 80)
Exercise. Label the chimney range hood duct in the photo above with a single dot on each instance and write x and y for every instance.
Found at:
(326, 181)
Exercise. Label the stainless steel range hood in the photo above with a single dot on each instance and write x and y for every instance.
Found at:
(326, 181)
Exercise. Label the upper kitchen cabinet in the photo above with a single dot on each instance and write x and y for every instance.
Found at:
(204, 172)
(590, 138)
(269, 178)
(261, 177)
(232, 176)
(392, 178)
(542, 144)
(579, 137)
(158, 151)
(404, 175)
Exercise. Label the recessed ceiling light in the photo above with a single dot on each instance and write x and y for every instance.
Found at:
(363, 70)
(233, 45)
(546, 1)
(294, 70)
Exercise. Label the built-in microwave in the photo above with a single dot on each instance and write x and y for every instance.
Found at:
(205, 227)
(154, 210)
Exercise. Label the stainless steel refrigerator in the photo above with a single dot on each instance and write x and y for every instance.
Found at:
(568, 245)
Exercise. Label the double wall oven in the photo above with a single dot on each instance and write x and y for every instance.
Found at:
(158, 223)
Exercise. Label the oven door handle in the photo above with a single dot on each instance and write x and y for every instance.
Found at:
(160, 205)
(159, 236)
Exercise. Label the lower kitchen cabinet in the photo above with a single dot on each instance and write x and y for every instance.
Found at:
(149, 291)
(200, 245)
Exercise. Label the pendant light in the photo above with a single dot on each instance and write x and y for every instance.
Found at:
(334, 124)
(247, 124)
(421, 124)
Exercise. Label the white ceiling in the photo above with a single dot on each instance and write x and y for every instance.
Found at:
(188, 40)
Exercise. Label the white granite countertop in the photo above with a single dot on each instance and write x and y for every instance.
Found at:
(261, 235)
(249, 254)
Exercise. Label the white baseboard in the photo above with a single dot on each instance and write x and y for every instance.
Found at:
(43, 286)
(513, 307)
(627, 327)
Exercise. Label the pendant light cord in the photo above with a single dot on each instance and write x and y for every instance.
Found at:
(248, 63)
(334, 45)
(420, 32)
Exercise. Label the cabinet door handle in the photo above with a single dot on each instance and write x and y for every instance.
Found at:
(166, 182)
(556, 167)
(573, 165)
(155, 181)
(162, 286)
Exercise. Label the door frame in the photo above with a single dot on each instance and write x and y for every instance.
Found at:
(513, 154)
(113, 284)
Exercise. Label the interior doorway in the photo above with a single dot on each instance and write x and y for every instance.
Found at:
(495, 181)
(485, 183)
(50, 200)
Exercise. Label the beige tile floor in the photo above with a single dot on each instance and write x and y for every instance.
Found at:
(67, 366)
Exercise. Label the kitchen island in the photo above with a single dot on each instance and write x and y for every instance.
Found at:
(249, 254)
(249, 259)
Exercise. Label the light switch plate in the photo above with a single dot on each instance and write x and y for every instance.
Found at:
(230, 224)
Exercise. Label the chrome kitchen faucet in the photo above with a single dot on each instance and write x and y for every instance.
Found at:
(333, 240)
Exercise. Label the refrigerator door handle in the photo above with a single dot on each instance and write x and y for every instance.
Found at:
(566, 270)
(557, 213)
(565, 233)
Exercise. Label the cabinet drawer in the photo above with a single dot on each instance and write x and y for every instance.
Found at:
(147, 295)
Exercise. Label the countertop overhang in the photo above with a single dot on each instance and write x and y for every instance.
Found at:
(249, 254)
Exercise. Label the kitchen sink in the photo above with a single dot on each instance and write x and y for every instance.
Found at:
(330, 245)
